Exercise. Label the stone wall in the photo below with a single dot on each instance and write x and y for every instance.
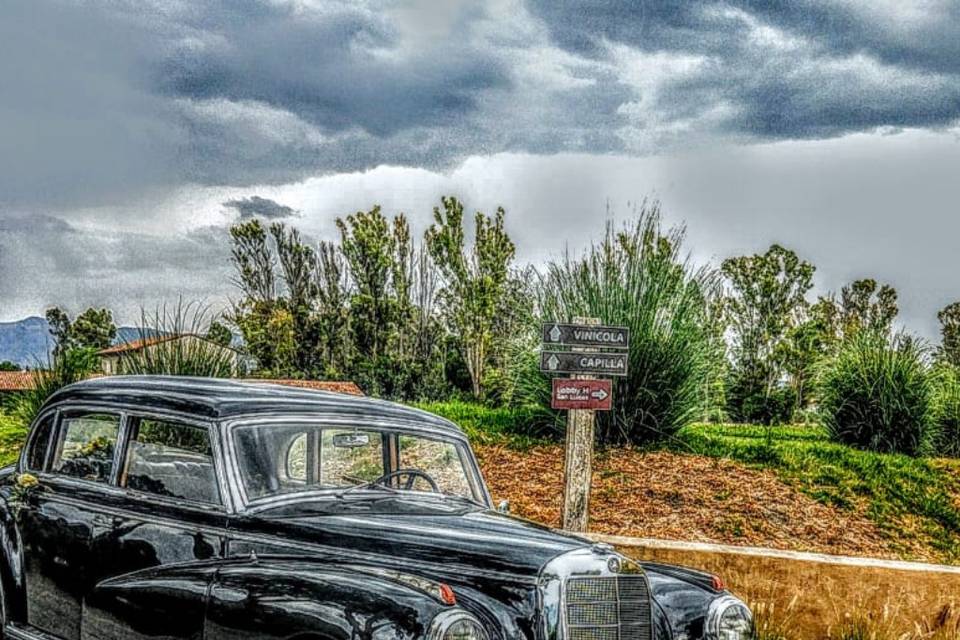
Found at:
(802, 595)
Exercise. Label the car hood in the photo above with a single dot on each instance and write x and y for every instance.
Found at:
(494, 561)
(474, 541)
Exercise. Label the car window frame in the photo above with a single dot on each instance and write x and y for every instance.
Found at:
(64, 413)
(131, 419)
(22, 461)
(47, 476)
(242, 502)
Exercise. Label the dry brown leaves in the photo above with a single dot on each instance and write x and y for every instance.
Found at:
(682, 497)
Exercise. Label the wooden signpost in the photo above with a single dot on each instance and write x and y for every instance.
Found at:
(583, 395)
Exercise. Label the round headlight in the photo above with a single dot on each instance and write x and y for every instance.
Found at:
(730, 619)
(456, 625)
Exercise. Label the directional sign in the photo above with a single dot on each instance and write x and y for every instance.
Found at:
(598, 364)
(580, 335)
(582, 394)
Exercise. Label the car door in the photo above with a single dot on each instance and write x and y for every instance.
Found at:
(58, 528)
(169, 512)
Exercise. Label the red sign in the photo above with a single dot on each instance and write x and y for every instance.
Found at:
(582, 394)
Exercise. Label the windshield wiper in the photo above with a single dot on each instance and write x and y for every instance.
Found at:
(457, 496)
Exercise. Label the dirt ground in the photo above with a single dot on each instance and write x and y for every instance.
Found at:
(685, 497)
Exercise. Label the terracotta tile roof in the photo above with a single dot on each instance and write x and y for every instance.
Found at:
(137, 345)
(16, 380)
(348, 388)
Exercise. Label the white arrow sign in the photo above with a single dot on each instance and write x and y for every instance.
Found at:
(600, 394)
(555, 334)
(553, 363)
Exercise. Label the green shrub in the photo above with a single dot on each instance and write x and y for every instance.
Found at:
(638, 278)
(517, 427)
(188, 357)
(750, 401)
(947, 410)
(879, 395)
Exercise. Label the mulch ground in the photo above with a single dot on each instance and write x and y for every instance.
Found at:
(684, 497)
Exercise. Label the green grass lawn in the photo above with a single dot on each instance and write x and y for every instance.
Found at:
(12, 435)
(906, 497)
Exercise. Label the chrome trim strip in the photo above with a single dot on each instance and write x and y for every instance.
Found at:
(17, 632)
(130, 513)
(326, 550)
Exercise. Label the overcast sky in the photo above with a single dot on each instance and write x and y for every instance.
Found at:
(134, 132)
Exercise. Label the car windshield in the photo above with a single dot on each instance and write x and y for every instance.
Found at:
(286, 459)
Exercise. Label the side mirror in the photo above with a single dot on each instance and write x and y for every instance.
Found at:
(503, 507)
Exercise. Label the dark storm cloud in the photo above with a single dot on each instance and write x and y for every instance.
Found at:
(75, 116)
(785, 69)
(256, 206)
(931, 43)
(103, 99)
(316, 67)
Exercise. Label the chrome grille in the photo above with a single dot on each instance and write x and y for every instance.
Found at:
(608, 608)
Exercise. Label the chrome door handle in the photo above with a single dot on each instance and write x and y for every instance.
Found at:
(106, 521)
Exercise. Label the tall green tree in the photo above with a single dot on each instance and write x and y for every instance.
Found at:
(866, 305)
(94, 328)
(402, 284)
(805, 345)
(333, 310)
(298, 265)
(368, 247)
(261, 315)
(949, 318)
(60, 328)
(474, 282)
(767, 299)
(220, 334)
(254, 261)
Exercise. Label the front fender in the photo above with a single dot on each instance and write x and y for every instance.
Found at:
(282, 599)
(297, 598)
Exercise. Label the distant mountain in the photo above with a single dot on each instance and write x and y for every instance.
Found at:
(28, 342)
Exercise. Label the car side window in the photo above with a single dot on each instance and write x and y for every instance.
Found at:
(87, 445)
(171, 459)
(36, 458)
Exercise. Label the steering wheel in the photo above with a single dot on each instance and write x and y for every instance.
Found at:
(411, 475)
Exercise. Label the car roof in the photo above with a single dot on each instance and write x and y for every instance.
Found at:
(221, 399)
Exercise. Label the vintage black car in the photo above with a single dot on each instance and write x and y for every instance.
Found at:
(176, 508)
